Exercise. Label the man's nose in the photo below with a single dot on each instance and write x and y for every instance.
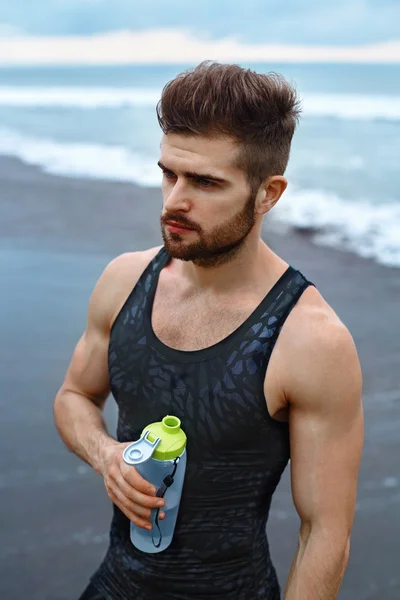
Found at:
(177, 198)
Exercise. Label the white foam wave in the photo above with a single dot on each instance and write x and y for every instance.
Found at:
(81, 159)
(343, 106)
(78, 97)
(370, 230)
(352, 106)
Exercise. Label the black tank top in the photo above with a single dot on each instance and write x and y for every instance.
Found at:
(236, 453)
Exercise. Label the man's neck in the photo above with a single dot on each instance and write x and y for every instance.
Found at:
(252, 264)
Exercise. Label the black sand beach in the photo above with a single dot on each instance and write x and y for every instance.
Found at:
(56, 236)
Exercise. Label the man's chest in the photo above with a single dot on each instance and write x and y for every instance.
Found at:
(195, 323)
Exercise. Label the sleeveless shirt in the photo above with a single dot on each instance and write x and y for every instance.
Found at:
(236, 452)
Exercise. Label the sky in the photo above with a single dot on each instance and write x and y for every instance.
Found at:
(332, 22)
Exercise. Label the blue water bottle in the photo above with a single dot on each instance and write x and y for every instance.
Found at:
(160, 458)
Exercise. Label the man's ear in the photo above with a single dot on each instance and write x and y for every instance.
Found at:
(269, 193)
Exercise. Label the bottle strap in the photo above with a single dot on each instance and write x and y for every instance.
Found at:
(167, 482)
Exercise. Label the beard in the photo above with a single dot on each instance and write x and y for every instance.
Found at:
(216, 247)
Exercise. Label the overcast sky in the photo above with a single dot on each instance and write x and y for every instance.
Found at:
(262, 21)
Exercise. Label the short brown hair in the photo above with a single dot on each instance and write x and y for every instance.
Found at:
(259, 111)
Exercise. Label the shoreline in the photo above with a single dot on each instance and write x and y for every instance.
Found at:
(12, 167)
(41, 211)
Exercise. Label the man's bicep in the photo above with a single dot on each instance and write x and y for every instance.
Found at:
(88, 370)
(87, 373)
(326, 435)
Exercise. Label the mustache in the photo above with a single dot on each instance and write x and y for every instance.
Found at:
(179, 220)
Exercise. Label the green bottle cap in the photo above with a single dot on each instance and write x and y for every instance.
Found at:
(173, 438)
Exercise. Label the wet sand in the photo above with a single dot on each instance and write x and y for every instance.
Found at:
(56, 236)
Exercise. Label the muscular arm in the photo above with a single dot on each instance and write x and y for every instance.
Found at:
(78, 406)
(326, 435)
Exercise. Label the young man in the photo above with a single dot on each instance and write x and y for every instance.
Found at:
(215, 328)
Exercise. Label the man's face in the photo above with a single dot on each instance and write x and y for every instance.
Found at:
(205, 193)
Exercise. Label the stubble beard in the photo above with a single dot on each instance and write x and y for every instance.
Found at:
(217, 247)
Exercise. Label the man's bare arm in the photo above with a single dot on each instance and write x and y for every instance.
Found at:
(78, 406)
(326, 436)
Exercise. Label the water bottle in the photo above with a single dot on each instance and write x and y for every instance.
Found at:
(160, 458)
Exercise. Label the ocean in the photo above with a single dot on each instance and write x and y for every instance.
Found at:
(344, 176)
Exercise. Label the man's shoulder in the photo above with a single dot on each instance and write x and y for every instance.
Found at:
(318, 327)
(313, 317)
(317, 344)
(117, 281)
(133, 263)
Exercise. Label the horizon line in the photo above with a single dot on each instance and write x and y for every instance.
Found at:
(166, 47)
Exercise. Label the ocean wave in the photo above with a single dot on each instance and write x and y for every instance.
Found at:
(352, 106)
(342, 106)
(78, 97)
(81, 159)
(369, 230)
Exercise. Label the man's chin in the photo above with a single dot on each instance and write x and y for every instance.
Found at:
(179, 250)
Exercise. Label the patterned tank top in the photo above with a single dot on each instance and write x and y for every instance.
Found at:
(236, 452)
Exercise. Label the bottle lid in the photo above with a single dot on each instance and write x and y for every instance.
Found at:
(140, 451)
(173, 438)
(163, 440)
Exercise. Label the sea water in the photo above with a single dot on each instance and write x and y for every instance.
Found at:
(343, 174)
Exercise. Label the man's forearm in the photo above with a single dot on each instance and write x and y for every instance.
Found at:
(318, 568)
(82, 428)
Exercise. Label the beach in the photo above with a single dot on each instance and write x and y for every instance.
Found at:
(56, 236)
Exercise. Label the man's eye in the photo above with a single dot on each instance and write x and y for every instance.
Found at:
(168, 174)
(205, 182)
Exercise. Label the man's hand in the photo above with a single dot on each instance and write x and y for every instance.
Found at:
(133, 495)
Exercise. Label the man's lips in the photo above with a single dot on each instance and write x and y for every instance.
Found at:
(175, 227)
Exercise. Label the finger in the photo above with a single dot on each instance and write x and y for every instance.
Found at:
(131, 476)
(131, 505)
(118, 499)
(148, 502)
(122, 493)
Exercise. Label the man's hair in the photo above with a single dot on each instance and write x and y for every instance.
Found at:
(258, 111)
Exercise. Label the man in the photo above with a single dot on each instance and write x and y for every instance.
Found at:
(215, 328)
